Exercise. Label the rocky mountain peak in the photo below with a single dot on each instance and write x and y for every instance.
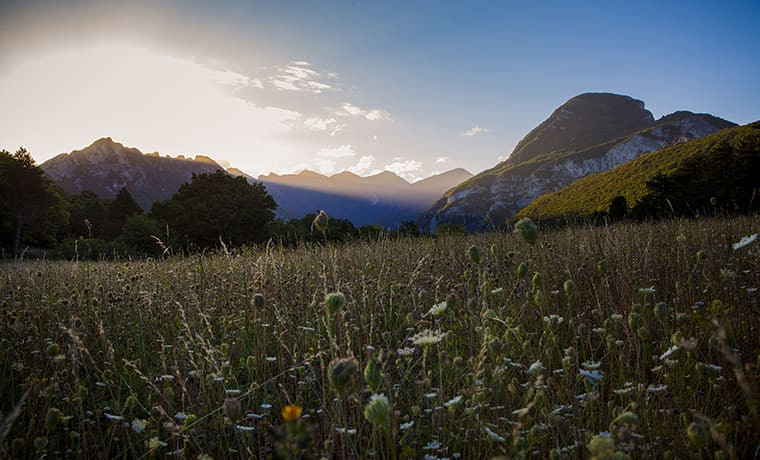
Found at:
(586, 119)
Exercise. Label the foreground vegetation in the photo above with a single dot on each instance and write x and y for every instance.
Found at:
(694, 177)
(633, 340)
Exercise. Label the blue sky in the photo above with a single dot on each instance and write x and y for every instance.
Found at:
(402, 82)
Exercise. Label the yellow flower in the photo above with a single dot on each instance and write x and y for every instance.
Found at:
(291, 412)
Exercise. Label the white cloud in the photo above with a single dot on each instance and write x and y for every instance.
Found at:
(440, 160)
(474, 131)
(324, 166)
(362, 166)
(337, 129)
(405, 169)
(374, 114)
(318, 124)
(344, 151)
(298, 76)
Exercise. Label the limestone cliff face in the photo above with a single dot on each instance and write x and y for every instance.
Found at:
(560, 151)
(106, 166)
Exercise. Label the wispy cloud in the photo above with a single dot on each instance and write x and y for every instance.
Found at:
(440, 160)
(343, 151)
(372, 114)
(298, 76)
(474, 131)
(318, 124)
(405, 169)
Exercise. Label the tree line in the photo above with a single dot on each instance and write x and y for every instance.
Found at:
(210, 211)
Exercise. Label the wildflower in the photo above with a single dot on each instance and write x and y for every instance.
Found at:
(406, 426)
(138, 425)
(377, 411)
(114, 418)
(745, 241)
(405, 351)
(437, 309)
(593, 377)
(649, 290)
(497, 291)
(527, 229)
(453, 402)
(672, 350)
(428, 337)
(657, 388)
(291, 412)
(536, 367)
(493, 435)
(591, 365)
(554, 320)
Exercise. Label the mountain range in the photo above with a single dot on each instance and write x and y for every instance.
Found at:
(385, 199)
(590, 133)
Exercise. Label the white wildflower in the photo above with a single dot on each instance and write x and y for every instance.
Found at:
(138, 425)
(649, 290)
(406, 426)
(536, 367)
(745, 241)
(427, 337)
(405, 351)
(493, 435)
(437, 309)
(453, 401)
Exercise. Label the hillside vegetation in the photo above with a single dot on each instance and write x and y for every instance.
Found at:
(627, 341)
(723, 166)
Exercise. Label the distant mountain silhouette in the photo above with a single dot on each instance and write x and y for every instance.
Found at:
(385, 198)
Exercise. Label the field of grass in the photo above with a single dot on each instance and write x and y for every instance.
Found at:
(635, 340)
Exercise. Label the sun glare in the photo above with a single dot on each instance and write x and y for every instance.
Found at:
(143, 99)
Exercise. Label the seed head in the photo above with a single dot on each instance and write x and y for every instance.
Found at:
(474, 254)
(341, 373)
(259, 300)
(377, 411)
(232, 409)
(334, 301)
(528, 230)
(320, 222)
(373, 374)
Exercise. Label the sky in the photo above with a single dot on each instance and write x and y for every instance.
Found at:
(416, 88)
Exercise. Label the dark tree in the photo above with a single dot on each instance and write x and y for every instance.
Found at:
(87, 216)
(618, 208)
(119, 210)
(31, 207)
(214, 206)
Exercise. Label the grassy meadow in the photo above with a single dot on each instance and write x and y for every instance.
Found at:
(637, 340)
